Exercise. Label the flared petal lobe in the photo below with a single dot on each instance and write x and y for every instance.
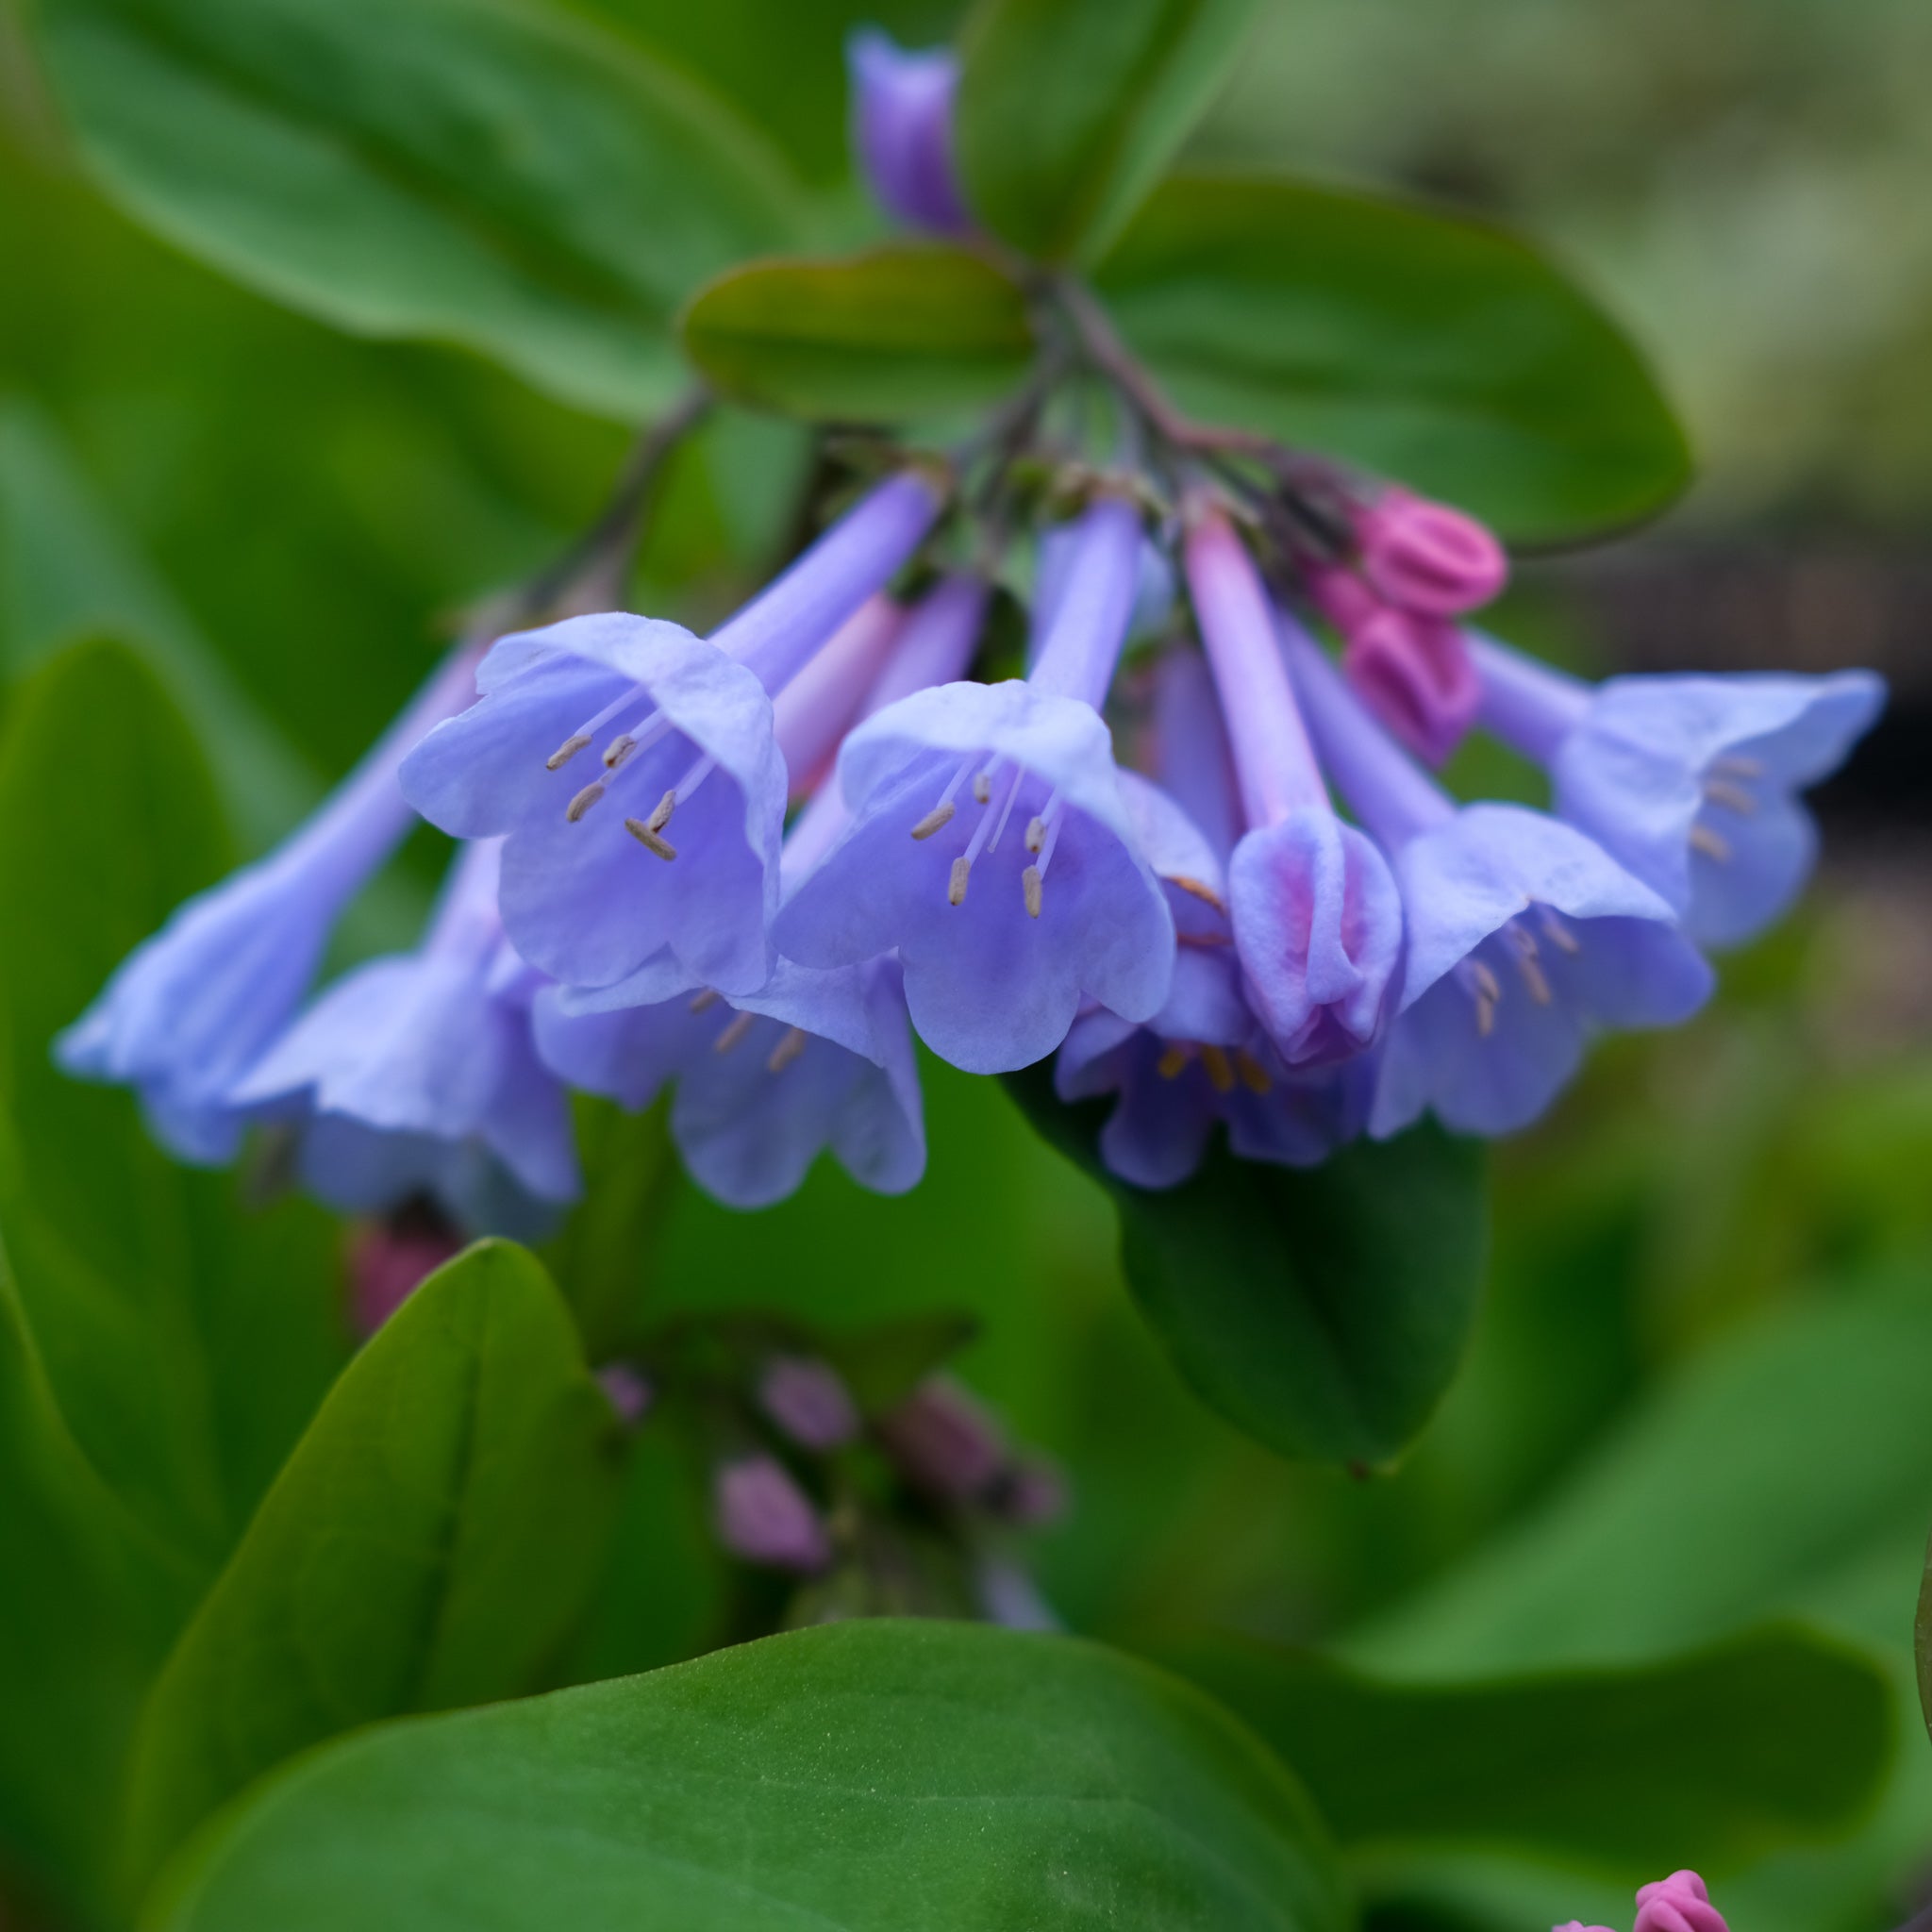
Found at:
(902, 130)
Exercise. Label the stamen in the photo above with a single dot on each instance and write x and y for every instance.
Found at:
(982, 787)
(618, 750)
(1030, 885)
(702, 769)
(1219, 1072)
(584, 800)
(1723, 792)
(1487, 984)
(1710, 844)
(642, 736)
(704, 1001)
(1739, 766)
(1556, 932)
(660, 816)
(1199, 889)
(787, 1050)
(956, 885)
(739, 1024)
(1056, 817)
(567, 751)
(1254, 1074)
(649, 839)
(935, 820)
(1006, 809)
(590, 728)
(1484, 990)
(1036, 834)
(1484, 1018)
(1173, 1063)
(1529, 965)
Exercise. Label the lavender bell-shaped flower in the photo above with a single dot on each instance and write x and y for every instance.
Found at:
(1204, 1057)
(1524, 936)
(1317, 920)
(189, 1010)
(997, 960)
(674, 842)
(814, 1059)
(418, 1075)
(902, 130)
(1691, 782)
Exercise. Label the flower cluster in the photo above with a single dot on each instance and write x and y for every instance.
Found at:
(1194, 928)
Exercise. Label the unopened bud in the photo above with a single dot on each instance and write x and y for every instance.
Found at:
(943, 1442)
(1678, 1904)
(1415, 674)
(1426, 558)
(806, 1398)
(763, 1516)
(389, 1259)
(628, 1392)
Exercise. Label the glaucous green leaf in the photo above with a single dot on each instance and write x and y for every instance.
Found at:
(1729, 1752)
(1323, 1310)
(430, 1544)
(1070, 110)
(1433, 350)
(186, 1342)
(909, 329)
(869, 1776)
(483, 171)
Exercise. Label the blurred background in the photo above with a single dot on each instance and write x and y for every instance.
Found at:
(286, 520)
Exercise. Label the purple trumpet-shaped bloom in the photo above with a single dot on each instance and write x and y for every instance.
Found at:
(1524, 936)
(1691, 782)
(992, 846)
(418, 1075)
(1203, 1058)
(673, 844)
(189, 1011)
(1317, 921)
(902, 130)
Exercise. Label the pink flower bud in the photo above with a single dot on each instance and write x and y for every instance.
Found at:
(944, 1442)
(628, 1392)
(1427, 557)
(764, 1517)
(388, 1261)
(1415, 674)
(1029, 1493)
(807, 1401)
(1678, 1904)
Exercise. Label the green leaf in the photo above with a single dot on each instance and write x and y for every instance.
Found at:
(430, 1544)
(1736, 1751)
(1440, 352)
(1921, 1642)
(479, 172)
(1323, 1310)
(1070, 110)
(867, 1775)
(912, 329)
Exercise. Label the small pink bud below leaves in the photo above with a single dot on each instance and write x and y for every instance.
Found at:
(807, 1401)
(1678, 1904)
(628, 1392)
(944, 1442)
(1414, 672)
(764, 1517)
(387, 1262)
(1427, 557)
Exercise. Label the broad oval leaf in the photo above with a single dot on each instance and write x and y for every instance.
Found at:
(1070, 110)
(868, 1776)
(478, 172)
(1729, 1753)
(1435, 350)
(430, 1544)
(1323, 1310)
(907, 330)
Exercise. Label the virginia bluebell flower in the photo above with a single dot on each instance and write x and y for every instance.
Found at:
(1524, 936)
(189, 1011)
(592, 889)
(902, 130)
(1204, 1057)
(1317, 922)
(1691, 782)
(418, 1075)
(936, 783)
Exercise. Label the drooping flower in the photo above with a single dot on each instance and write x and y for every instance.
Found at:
(812, 714)
(189, 1010)
(997, 961)
(1680, 1903)
(902, 130)
(1691, 782)
(1205, 1057)
(1427, 557)
(390, 1259)
(1317, 922)
(1523, 937)
(418, 1075)
(596, 880)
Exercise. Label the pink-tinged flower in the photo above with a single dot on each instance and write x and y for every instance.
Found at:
(1691, 782)
(902, 130)
(673, 844)
(1678, 1904)
(808, 1401)
(629, 1394)
(1317, 921)
(1412, 672)
(389, 1259)
(763, 1516)
(1523, 937)
(1426, 558)
(944, 1443)
(990, 845)
(812, 714)
(190, 1011)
